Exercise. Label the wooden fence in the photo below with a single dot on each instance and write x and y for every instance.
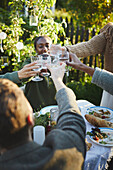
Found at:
(80, 34)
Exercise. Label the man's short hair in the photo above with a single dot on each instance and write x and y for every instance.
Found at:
(14, 109)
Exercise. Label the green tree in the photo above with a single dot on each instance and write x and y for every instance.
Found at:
(17, 27)
(89, 12)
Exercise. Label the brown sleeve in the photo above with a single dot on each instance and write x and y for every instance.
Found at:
(96, 121)
(107, 30)
(95, 45)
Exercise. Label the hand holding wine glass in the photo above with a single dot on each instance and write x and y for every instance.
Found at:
(28, 70)
(57, 49)
(57, 74)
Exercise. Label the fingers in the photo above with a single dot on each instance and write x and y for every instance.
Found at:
(30, 68)
(30, 74)
(70, 64)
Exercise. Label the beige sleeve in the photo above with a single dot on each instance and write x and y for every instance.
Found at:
(95, 45)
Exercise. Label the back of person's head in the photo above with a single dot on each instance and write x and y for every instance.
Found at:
(43, 36)
(14, 113)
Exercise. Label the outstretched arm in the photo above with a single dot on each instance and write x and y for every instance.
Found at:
(25, 72)
(78, 65)
(101, 78)
(68, 139)
(95, 45)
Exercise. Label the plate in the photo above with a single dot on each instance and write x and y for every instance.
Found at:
(97, 108)
(47, 109)
(108, 140)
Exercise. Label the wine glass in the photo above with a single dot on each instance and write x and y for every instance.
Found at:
(4, 61)
(54, 60)
(55, 51)
(46, 59)
(65, 57)
(37, 58)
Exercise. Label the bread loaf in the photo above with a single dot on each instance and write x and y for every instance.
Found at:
(96, 121)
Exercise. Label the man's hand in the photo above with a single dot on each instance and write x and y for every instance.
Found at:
(28, 71)
(57, 74)
(57, 49)
(78, 65)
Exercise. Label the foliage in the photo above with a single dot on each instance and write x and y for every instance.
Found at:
(18, 28)
(86, 91)
(53, 30)
(42, 120)
(89, 13)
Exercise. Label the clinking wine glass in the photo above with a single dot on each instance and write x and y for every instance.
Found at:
(54, 54)
(65, 57)
(37, 58)
(46, 59)
(54, 60)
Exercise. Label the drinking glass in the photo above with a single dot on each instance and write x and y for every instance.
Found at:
(37, 58)
(4, 60)
(54, 60)
(64, 58)
(54, 52)
(46, 59)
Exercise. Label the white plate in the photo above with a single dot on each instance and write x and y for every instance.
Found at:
(97, 108)
(47, 109)
(104, 130)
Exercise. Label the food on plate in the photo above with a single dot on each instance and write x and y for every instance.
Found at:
(98, 135)
(107, 112)
(101, 113)
(96, 121)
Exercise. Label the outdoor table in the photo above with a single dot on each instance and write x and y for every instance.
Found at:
(97, 156)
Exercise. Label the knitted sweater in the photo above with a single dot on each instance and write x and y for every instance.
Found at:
(11, 76)
(99, 44)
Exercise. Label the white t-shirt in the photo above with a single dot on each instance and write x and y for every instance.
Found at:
(107, 100)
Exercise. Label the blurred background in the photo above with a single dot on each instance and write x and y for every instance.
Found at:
(66, 22)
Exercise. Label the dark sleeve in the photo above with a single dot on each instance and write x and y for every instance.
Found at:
(70, 131)
(11, 76)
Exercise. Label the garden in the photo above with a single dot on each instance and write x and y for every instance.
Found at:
(71, 22)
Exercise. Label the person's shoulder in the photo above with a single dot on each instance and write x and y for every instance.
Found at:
(107, 27)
